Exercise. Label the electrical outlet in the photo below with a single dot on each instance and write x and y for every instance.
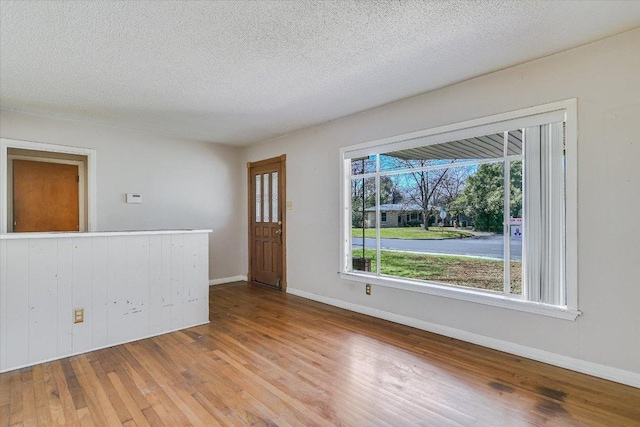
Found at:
(78, 315)
(367, 289)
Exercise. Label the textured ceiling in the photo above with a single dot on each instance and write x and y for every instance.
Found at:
(240, 72)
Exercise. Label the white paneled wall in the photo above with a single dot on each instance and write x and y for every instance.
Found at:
(131, 286)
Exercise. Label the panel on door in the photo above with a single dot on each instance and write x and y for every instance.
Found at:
(266, 222)
(45, 196)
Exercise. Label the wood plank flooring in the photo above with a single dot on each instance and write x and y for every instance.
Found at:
(269, 359)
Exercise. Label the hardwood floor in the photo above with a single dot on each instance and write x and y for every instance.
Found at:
(268, 358)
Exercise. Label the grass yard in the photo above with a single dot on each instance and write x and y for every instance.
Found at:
(417, 233)
(455, 270)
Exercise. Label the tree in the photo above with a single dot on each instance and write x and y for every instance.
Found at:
(363, 195)
(420, 187)
(483, 196)
(389, 192)
(450, 189)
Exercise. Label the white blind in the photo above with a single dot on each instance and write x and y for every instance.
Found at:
(544, 214)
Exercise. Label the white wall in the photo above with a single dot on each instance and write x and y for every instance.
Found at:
(184, 184)
(130, 287)
(605, 77)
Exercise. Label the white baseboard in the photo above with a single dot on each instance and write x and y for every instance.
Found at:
(224, 280)
(613, 374)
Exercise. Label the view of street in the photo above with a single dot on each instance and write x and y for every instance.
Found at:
(491, 246)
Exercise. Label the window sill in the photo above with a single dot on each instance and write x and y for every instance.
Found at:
(464, 294)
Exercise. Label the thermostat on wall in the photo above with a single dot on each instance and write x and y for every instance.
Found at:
(134, 198)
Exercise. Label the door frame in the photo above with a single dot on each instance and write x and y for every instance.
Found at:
(282, 201)
(90, 154)
(82, 221)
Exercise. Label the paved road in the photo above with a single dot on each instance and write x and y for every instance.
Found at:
(484, 246)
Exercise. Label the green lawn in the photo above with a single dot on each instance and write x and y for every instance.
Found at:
(456, 270)
(412, 233)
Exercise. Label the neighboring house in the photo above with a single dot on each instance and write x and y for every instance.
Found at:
(407, 214)
(394, 215)
(463, 220)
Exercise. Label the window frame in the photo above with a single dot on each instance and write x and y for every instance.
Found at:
(495, 123)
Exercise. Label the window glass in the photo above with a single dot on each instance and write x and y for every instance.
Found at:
(514, 143)
(463, 150)
(516, 227)
(363, 165)
(274, 198)
(436, 244)
(266, 199)
(258, 198)
(363, 225)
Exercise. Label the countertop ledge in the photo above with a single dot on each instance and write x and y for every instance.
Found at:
(55, 235)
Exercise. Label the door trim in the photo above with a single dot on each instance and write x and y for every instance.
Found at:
(91, 204)
(282, 198)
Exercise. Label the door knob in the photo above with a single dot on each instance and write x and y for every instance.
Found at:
(279, 231)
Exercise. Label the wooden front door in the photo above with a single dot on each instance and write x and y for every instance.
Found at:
(45, 196)
(267, 222)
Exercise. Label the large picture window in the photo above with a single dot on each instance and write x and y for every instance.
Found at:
(481, 211)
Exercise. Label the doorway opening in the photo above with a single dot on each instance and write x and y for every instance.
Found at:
(49, 188)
